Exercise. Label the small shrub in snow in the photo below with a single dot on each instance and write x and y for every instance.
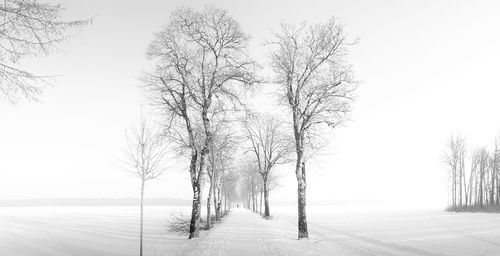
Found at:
(268, 217)
(178, 223)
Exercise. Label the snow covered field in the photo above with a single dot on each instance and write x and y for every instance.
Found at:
(402, 232)
(85, 231)
(40, 231)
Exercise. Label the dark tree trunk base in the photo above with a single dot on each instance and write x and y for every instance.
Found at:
(301, 202)
(194, 230)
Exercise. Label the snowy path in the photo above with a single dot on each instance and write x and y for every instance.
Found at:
(244, 233)
(239, 234)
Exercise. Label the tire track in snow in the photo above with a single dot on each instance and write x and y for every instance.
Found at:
(389, 245)
(462, 232)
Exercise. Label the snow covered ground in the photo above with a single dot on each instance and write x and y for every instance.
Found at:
(402, 232)
(84, 231)
(97, 231)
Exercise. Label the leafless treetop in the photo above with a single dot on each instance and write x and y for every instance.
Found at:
(201, 57)
(28, 28)
(316, 81)
(145, 152)
(269, 142)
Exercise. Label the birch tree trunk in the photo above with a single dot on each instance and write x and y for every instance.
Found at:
(142, 218)
(300, 173)
(214, 192)
(481, 187)
(260, 203)
(266, 199)
(301, 201)
(218, 204)
(195, 213)
(225, 203)
(210, 194)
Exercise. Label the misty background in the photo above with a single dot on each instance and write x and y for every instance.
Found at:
(426, 68)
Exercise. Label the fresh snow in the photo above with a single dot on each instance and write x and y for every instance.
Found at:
(245, 233)
(334, 230)
(337, 232)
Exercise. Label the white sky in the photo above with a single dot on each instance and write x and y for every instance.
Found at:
(428, 68)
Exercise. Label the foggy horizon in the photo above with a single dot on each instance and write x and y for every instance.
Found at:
(410, 99)
(233, 127)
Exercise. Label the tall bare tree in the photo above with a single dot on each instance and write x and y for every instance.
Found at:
(474, 162)
(230, 181)
(495, 157)
(316, 82)
(144, 157)
(455, 159)
(201, 59)
(270, 145)
(219, 162)
(249, 183)
(481, 190)
(483, 170)
(28, 28)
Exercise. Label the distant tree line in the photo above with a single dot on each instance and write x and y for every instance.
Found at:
(474, 175)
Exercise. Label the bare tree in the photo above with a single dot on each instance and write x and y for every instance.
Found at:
(230, 181)
(454, 157)
(249, 183)
(495, 157)
(481, 190)
(144, 156)
(28, 28)
(472, 177)
(201, 58)
(226, 163)
(483, 169)
(479, 186)
(270, 145)
(317, 85)
(219, 161)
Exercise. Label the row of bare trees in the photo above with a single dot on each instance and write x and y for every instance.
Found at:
(269, 146)
(251, 187)
(203, 68)
(474, 177)
(220, 163)
(201, 63)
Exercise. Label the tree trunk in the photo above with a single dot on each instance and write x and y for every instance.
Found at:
(460, 190)
(196, 176)
(195, 214)
(492, 191)
(471, 188)
(142, 218)
(214, 192)
(498, 192)
(266, 199)
(208, 205)
(455, 190)
(219, 204)
(481, 189)
(253, 201)
(225, 203)
(260, 202)
(301, 201)
(466, 196)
